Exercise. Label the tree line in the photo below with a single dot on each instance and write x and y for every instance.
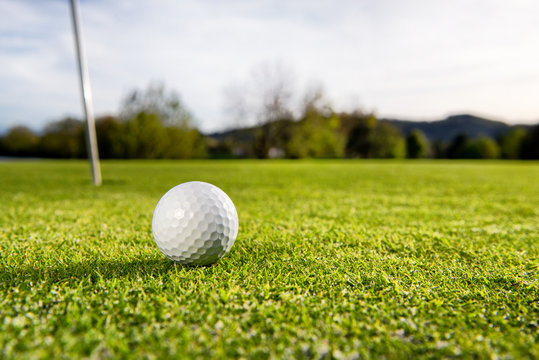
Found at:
(154, 123)
(358, 135)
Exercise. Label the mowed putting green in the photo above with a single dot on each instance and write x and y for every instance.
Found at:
(334, 259)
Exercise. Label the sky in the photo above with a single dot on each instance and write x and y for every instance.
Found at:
(413, 59)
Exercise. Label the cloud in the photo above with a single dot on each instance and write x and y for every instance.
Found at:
(412, 59)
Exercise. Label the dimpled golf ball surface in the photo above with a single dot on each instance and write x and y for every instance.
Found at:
(195, 223)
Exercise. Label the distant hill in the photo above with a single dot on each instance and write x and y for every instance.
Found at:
(241, 135)
(447, 129)
(442, 130)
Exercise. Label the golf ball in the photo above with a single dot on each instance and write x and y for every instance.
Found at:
(195, 223)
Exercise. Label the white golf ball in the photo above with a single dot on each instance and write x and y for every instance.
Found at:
(195, 223)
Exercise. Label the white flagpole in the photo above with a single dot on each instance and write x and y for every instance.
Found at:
(91, 138)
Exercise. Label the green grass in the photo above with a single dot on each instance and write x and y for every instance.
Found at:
(343, 259)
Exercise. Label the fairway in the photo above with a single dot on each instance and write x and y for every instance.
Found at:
(334, 259)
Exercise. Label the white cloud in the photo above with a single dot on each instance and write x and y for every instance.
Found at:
(413, 59)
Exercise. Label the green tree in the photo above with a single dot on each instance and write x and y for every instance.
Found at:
(144, 136)
(456, 148)
(482, 148)
(439, 149)
(64, 139)
(510, 143)
(417, 145)
(156, 124)
(184, 144)
(109, 134)
(157, 100)
(387, 142)
(530, 144)
(19, 141)
(359, 129)
(316, 136)
(369, 138)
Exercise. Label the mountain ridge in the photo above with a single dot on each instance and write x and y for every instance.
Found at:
(437, 130)
(446, 129)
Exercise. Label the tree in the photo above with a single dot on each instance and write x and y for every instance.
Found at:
(109, 134)
(439, 149)
(144, 137)
(236, 106)
(64, 139)
(510, 143)
(387, 142)
(461, 147)
(456, 148)
(417, 145)
(157, 100)
(19, 141)
(360, 130)
(265, 99)
(273, 137)
(369, 138)
(265, 96)
(316, 135)
(272, 87)
(184, 144)
(482, 148)
(156, 124)
(530, 144)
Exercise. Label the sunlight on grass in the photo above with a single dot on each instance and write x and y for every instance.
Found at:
(333, 258)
